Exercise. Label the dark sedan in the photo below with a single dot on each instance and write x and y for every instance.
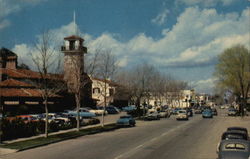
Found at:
(233, 149)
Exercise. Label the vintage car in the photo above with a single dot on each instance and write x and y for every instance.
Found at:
(129, 108)
(126, 121)
(152, 115)
(232, 112)
(233, 149)
(207, 113)
(164, 114)
(182, 115)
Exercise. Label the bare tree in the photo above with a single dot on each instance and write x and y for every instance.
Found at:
(44, 60)
(105, 69)
(138, 82)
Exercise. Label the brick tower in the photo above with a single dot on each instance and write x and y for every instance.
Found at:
(74, 51)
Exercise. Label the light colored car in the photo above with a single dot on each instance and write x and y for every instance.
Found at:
(182, 115)
(97, 111)
(232, 112)
(153, 115)
(164, 114)
(83, 113)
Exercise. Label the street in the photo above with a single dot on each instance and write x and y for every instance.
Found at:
(167, 138)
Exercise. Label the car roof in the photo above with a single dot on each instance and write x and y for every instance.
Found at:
(237, 131)
(234, 132)
(237, 128)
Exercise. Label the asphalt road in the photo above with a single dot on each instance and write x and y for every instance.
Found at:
(167, 138)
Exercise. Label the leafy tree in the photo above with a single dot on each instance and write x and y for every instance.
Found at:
(233, 72)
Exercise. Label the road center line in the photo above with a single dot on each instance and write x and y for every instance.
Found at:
(155, 138)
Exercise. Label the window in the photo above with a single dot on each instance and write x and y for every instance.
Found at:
(96, 91)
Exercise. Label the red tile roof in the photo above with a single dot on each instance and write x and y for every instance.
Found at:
(14, 83)
(22, 92)
(14, 92)
(28, 74)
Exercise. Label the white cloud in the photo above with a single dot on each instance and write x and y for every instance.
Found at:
(23, 52)
(204, 86)
(3, 24)
(161, 17)
(194, 41)
(7, 7)
(207, 3)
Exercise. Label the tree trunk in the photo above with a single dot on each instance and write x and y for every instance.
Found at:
(78, 100)
(105, 102)
(46, 117)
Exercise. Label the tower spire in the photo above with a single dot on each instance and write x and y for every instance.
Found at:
(75, 26)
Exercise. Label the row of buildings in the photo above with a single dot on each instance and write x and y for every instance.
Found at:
(20, 91)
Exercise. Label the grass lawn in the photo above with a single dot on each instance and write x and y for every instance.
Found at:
(31, 143)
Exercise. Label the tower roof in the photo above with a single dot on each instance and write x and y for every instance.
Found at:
(73, 37)
(6, 53)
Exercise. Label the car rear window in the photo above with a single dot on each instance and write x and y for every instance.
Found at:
(235, 146)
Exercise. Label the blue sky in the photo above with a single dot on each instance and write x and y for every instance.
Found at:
(181, 37)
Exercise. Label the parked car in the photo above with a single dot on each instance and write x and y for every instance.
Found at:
(232, 112)
(197, 111)
(182, 115)
(97, 111)
(27, 118)
(112, 110)
(129, 108)
(207, 113)
(175, 111)
(214, 111)
(127, 120)
(164, 114)
(233, 149)
(234, 134)
(153, 115)
(82, 113)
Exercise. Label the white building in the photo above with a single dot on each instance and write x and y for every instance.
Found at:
(181, 99)
(98, 91)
